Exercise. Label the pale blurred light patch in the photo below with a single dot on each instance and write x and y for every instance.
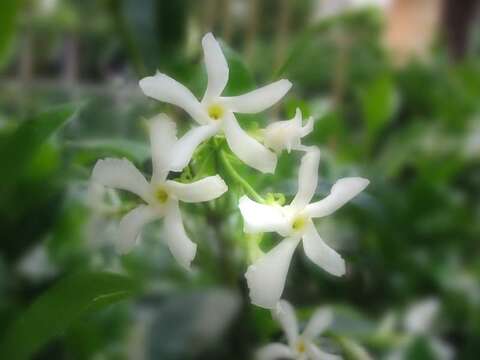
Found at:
(36, 265)
(411, 26)
(328, 8)
(47, 7)
(420, 316)
(472, 144)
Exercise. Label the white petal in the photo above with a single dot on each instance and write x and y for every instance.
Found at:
(342, 191)
(307, 178)
(442, 349)
(259, 99)
(266, 277)
(163, 88)
(206, 189)
(182, 248)
(320, 253)
(131, 225)
(121, 174)
(274, 351)
(258, 218)
(420, 317)
(285, 314)
(316, 354)
(186, 145)
(320, 320)
(285, 134)
(308, 127)
(163, 136)
(217, 67)
(249, 150)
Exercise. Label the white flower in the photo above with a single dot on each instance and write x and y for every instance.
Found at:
(160, 195)
(266, 277)
(287, 134)
(419, 321)
(300, 346)
(215, 113)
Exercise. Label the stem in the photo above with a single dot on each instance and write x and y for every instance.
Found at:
(239, 179)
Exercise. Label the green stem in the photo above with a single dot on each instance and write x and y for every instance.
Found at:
(239, 179)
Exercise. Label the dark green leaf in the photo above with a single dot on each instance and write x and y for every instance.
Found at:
(8, 16)
(53, 312)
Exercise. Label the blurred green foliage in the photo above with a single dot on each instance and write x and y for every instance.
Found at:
(414, 132)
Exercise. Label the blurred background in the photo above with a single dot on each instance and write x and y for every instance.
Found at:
(394, 87)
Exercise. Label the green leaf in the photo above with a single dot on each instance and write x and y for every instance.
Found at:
(8, 16)
(53, 312)
(18, 150)
(379, 102)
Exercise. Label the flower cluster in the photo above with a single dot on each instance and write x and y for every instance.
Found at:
(215, 114)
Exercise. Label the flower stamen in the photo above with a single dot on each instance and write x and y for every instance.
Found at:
(299, 223)
(216, 111)
(161, 195)
(300, 346)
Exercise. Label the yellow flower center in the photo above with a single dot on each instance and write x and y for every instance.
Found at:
(299, 223)
(161, 195)
(216, 111)
(300, 346)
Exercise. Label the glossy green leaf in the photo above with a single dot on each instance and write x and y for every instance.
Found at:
(18, 150)
(53, 312)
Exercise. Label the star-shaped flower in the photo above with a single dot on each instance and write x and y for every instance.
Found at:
(300, 346)
(287, 134)
(266, 277)
(161, 196)
(215, 113)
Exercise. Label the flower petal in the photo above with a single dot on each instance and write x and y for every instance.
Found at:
(315, 353)
(182, 248)
(266, 277)
(442, 349)
(259, 99)
(285, 315)
(308, 127)
(274, 351)
(258, 218)
(206, 189)
(217, 67)
(284, 134)
(121, 174)
(131, 225)
(420, 317)
(319, 321)
(161, 87)
(249, 150)
(342, 191)
(163, 136)
(186, 145)
(307, 178)
(320, 253)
